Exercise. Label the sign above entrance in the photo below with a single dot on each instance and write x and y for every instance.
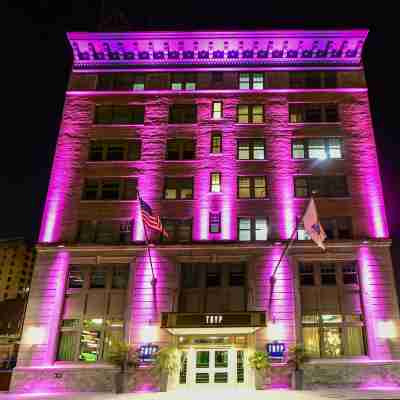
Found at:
(213, 320)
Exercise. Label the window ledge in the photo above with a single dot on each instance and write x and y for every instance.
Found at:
(118, 125)
(102, 162)
(107, 201)
(185, 161)
(317, 159)
(323, 198)
(338, 123)
(250, 123)
(263, 160)
(253, 198)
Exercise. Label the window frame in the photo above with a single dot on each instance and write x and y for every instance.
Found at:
(213, 111)
(181, 143)
(184, 81)
(329, 181)
(176, 223)
(135, 111)
(183, 113)
(252, 187)
(250, 114)
(123, 188)
(251, 80)
(219, 136)
(253, 228)
(252, 144)
(125, 144)
(303, 108)
(305, 142)
(215, 185)
(211, 223)
(178, 188)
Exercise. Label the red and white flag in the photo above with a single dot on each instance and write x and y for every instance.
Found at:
(312, 225)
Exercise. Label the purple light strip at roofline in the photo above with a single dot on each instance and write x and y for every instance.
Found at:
(220, 69)
(213, 91)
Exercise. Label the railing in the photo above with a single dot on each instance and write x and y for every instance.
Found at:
(212, 320)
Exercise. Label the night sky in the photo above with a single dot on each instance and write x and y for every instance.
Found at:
(36, 61)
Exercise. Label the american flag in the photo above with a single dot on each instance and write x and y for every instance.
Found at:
(149, 220)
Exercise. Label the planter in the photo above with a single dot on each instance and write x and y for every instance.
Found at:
(297, 379)
(163, 381)
(119, 382)
(261, 379)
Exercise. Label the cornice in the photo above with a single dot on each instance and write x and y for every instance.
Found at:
(217, 48)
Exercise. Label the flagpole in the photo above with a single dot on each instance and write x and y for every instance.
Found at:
(283, 254)
(154, 279)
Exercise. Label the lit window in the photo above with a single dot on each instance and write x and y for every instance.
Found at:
(261, 228)
(183, 81)
(178, 188)
(216, 143)
(251, 149)
(253, 80)
(138, 82)
(252, 187)
(250, 114)
(253, 229)
(245, 229)
(216, 182)
(217, 109)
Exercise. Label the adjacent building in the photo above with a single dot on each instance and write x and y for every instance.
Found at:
(17, 258)
(226, 135)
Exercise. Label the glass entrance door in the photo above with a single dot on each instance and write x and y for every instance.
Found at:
(214, 366)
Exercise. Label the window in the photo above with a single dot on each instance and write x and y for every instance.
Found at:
(121, 81)
(321, 186)
(216, 143)
(100, 305)
(114, 150)
(183, 114)
(313, 112)
(105, 231)
(217, 77)
(215, 182)
(250, 114)
(119, 114)
(252, 187)
(216, 109)
(332, 325)
(251, 149)
(183, 81)
(338, 227)
(178, 188)
(349, 272)
(181, 149)
(253, 80)
(110, 189)
(253, 229)
(306, 274)
(215, 222)
(179, 231)
(321, 149)
(213, 275)
(313, 79)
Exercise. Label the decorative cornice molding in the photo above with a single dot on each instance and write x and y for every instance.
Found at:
(291, 47)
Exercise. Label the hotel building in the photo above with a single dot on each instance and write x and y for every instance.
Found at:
(226, 135)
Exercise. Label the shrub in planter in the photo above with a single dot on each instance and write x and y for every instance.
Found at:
(166, 363)
(124, 356)
(259, 361)
(296, 359)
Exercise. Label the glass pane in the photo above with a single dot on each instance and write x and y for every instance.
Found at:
(244, 229)
(311, 341)
(258, 80)
(112, 336)
(190, 86)
(298, 150)
(244, 151)
(259, 150)
(355, 341)
(335, 148)
(331, 318)
(187, 193)
(332, 343)
(215, 182)
(190, 276)
(217, 109)
(260, 190)
(244, 81)
(258, 114)
(90, 340)
(75, 278)
(177, 86)
(309, 319)
(261, 229)
(98, 278)
(213, 278)
(243, 112)
(90, 190)
(110, 190)
(221, 359)
(244, 187)
(221, 377)
(237, 276)
(302, 234)
(115, 152)
(120, 278)
(316, 149)
(216, 144)
(66, 346)
(96, 152)
(202, 359)
(170, 193)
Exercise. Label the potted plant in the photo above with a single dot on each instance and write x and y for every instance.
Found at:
(166, 364)
(124, 356)
(297, 357)
(259, 361)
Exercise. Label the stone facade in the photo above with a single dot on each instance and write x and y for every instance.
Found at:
(369, 245)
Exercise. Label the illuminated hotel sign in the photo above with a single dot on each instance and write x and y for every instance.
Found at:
(207, 320)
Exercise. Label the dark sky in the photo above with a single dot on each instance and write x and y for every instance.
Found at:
(36, 62)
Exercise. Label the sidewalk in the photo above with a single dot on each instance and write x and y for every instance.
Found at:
(219, 394)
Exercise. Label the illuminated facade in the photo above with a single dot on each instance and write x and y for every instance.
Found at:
(225, 135)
